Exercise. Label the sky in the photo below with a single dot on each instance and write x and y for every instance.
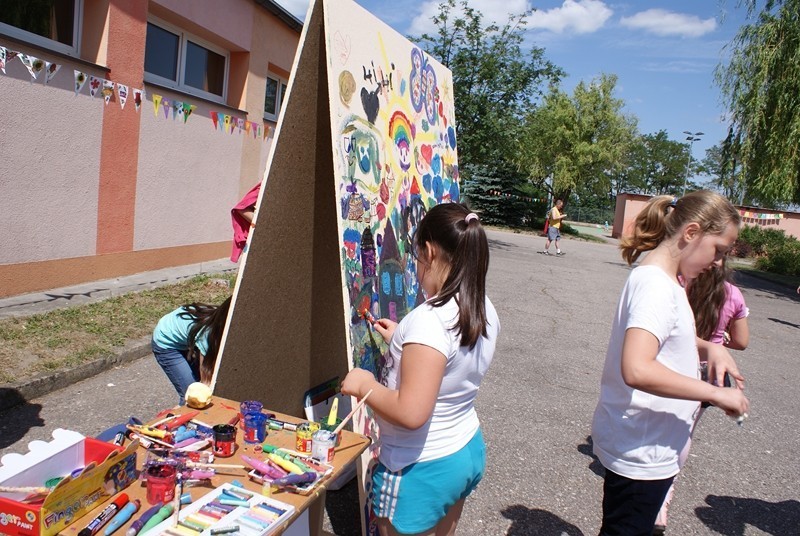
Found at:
(664, 52)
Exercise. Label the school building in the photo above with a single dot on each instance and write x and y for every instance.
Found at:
(129, 129)
(629, 205)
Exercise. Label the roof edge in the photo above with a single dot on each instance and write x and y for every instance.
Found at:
(291, 21)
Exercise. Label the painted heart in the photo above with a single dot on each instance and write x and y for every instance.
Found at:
(427, 153)
(371, 104)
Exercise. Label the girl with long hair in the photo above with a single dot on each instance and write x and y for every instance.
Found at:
(651, 390)
(432, 452)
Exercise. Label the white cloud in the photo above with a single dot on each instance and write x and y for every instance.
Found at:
(663, 23)
(493, 11)
(578, 16)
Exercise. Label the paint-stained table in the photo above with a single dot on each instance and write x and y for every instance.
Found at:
(308, 515)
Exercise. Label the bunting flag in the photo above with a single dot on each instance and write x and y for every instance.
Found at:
(3, 59)
(10, 55)
(165, 105)
(214, 118)
(94, 84)
(122, 95)
(108, 90)
(33, 64)
(138, 95)
(187, 110)
(514, 196)
(50, 71)
(227, 122)
(80, 81)
(177, 109)
(156, 104)
(765, 218)
(247, 127)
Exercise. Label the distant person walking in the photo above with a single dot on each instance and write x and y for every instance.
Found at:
(554, 227)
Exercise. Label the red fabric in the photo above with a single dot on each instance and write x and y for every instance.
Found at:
(241, 227)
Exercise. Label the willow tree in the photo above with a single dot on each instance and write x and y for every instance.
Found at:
(761, 87)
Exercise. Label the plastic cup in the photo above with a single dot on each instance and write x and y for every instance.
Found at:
(255, 427)
(331, 427)
(249, 406)
(160, 483)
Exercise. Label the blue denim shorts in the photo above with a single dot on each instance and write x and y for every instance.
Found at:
(417, 497)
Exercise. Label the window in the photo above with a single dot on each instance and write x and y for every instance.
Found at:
(276, 88)
(177, 59)
(51, 24)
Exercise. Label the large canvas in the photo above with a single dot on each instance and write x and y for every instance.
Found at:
(394, 154)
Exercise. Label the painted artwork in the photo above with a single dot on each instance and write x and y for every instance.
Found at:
(394, 150)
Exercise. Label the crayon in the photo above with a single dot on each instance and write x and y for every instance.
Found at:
(105, 516)
(163, 513)
(225, 530)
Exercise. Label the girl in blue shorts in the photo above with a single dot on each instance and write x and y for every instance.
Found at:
(432, 453)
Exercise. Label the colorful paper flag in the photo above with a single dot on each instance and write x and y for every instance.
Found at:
(187, 110)
(3, 59)
(122, 95)
(108, 90)
(214, 118)
(156, 104)
(80, 80)
(165, 105)
(32, 63)
(50, 71)
(138, 95)
(94, 84)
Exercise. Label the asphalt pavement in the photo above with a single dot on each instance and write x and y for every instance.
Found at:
(536, 406)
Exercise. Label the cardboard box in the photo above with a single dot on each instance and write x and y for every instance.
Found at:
(93, 471)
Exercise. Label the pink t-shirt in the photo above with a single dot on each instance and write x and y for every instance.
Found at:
(732, 309)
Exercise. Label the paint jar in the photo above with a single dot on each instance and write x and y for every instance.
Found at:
(331, 427)
(249, 406)
(303, 436)
(160, 483)
(323, 444)
(224, 440)
(255, 427)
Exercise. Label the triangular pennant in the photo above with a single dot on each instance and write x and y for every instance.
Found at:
(108, 90)
(122, 95)
(3, 59)
(10, 55)
(50, 71)
(227, 122)
(177, 109)
(187, 110)
(156, 104)
(240, 124)
(94, 84)
(247, 127)
(165, 105)
(214, 118)
(32, 63)
(80, 81)
(138, 95)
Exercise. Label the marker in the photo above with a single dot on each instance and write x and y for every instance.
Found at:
(123, 516)
(119, 439)
(276, 424)
(105, 516)
(137, 525)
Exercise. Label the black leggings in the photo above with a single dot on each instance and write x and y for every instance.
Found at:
(630, 507)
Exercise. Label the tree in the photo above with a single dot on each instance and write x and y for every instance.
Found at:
(494, 80)
(761, 84)
(576, 142)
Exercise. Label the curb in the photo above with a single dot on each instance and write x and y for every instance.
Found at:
(12, 395)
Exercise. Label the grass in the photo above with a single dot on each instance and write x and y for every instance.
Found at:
(71, 336)
(748, 268)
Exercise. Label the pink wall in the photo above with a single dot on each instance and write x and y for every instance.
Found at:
(91, 191)
(629, 205)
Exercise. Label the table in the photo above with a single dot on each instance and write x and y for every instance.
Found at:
(223, 410)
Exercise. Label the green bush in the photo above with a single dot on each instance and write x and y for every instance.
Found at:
(758, 241)
(784, 259)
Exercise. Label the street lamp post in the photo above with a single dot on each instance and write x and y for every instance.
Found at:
(691, 138)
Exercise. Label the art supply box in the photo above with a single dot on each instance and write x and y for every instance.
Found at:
(271, 514)
(91, 471)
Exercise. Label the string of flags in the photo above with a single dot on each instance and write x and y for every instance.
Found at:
(760, 217)
(178, 109)
(514, 196)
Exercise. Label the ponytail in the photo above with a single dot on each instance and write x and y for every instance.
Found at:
(664, 216)
(210, 318)
(461, 239)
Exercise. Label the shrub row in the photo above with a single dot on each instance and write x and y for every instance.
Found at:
(774, 250)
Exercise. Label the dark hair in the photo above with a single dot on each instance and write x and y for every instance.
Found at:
(664, 216)
(211, 318)
(466, 249)
(706, 295)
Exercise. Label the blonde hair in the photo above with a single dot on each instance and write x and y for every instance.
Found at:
(665, 215)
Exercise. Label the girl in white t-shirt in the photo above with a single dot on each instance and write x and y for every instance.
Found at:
(432, 453)
(651, 388)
